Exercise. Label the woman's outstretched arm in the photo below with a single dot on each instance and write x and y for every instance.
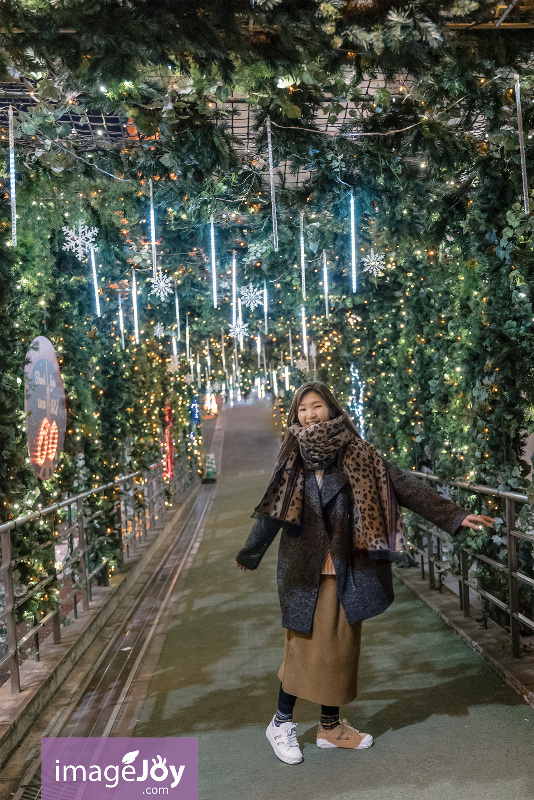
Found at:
(260, 538)
(416, 496)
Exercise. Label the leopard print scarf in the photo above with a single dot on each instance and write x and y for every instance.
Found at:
(377, 523)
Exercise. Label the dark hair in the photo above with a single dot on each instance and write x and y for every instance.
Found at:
(336, 410)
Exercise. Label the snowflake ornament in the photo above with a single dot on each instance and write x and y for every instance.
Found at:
(239, 329)
(301, 364)
(188, 379)
(216, 386)
(173, 367)
(159, 330)
(162, 285)
(251, 297)
(80, 239)
(374, 262)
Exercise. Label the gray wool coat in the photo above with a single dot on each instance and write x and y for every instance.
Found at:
(364, 582)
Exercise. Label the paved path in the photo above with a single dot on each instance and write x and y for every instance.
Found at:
(446, 726)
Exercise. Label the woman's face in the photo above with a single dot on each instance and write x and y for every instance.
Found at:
(312, 409)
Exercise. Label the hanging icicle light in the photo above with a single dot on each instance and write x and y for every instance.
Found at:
(208, 357)
(153, 231)
(12, 181)
(353, 243)
(198, 371)
(290, 348)
(286, 377)
(187, 335)
(174, 352)
(213, 265)
(271, 180)
(302, 256)
(526, 199)
(234, 288)
(95, 281)
(325, 284)
(121, 320)
(222, 350)
(240, 320)
(265, 299)
(304, 332)
(258, 347)
(134, 301)
(177, 309)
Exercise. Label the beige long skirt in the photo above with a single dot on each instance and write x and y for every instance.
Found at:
(323, 666)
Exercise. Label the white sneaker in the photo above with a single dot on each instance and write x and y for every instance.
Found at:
(283, 739)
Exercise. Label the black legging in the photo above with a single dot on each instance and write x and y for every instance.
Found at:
(286, 703)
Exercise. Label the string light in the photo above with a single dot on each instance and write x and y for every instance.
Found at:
(12, 182)
(175, 351)
(265, 305)
(222, 351)
(134, 300)
(271, 180)
(95, 281)
(302, 256)
(187, 335)
(353, 243)
(304, 332)
(177, 309)
(121, 321)
(152, 231)
(213, 266)
(290, 348)
(325, 284)
(240, 319)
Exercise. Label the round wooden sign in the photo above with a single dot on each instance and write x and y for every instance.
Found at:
(44, 405)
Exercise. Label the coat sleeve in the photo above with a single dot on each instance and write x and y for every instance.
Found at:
(260, 538)
(413, 494)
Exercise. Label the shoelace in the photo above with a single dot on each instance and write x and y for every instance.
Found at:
(291, 736)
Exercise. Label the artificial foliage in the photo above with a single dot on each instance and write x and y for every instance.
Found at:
(432, 353)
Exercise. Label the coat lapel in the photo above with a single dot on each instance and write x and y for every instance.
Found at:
(333, 481)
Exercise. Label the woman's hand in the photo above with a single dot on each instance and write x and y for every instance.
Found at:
(245, 569)
(474, 520)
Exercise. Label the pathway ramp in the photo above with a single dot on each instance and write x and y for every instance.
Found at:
(446, 726)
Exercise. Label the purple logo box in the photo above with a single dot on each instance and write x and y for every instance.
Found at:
(119, 768)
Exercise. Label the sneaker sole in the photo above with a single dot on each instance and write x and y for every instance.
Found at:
(365, 743)
(285, 759)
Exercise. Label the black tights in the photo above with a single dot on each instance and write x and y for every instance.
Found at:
(286, 703)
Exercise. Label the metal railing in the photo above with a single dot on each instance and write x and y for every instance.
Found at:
(432, 551)
(81, 535)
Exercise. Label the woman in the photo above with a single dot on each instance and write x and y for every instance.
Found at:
(337, 502)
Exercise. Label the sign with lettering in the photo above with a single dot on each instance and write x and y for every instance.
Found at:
(44, 405)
